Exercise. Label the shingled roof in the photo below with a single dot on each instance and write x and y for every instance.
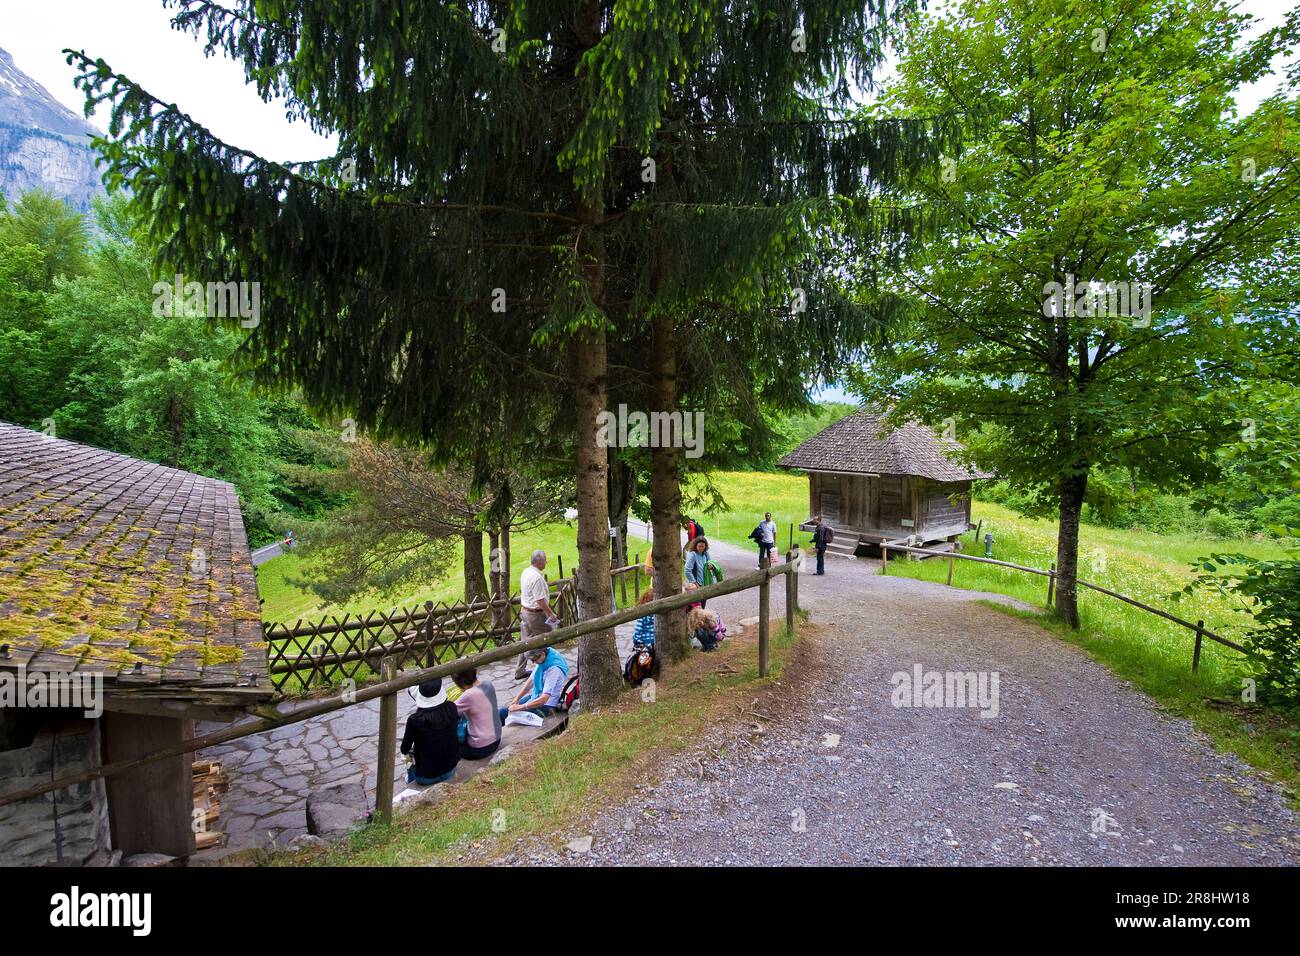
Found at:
(114, 565)
(861, 444)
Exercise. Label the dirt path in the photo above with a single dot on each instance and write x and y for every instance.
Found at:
(1077, 767)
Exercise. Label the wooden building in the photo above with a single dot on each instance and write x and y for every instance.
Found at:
(877, 485)
(137, 578)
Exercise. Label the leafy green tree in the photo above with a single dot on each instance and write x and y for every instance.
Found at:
(180, 406)
(493, 222)
(42, 220)
(1101, 147)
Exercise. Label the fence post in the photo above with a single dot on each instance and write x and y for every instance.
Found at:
(1196, 654)
(386, 769)
(791, 575)
(622, 562)
(1051, 583)
(794, 575)
(636, 578)
(884, 558)
(560, 559)
(951, 562)
(764, 613)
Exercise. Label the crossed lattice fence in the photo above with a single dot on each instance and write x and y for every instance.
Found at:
(309, 655)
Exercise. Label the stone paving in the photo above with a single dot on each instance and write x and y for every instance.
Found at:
(270, 775)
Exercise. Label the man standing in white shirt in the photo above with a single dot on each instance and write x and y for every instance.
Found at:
(766, 538)
(535, 609)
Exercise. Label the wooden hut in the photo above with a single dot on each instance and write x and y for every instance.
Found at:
(134, 578)
(876, 485)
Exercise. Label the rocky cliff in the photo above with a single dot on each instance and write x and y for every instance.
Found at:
(42, 142)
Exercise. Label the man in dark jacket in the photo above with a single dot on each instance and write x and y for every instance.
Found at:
(821, 538)
(431, 733)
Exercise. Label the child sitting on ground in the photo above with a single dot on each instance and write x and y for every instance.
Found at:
(703, 626)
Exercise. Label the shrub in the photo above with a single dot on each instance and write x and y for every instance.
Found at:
(1273, 590)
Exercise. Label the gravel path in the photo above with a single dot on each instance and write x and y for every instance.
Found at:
(1077, 767)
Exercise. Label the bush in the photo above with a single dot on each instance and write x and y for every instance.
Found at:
(1278, 517)
(1272, 588)
(1219, 524)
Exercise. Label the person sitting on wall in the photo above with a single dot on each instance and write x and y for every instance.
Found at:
(540, 695)
(645, 626)
(477, 704)
(431, 736)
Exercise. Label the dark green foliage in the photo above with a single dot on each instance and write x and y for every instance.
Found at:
(472, 169)
(1272, 591)
(86, 358)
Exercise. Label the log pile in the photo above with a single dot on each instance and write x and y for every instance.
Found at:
(209, 785)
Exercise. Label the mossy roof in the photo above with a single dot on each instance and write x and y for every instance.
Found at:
(125, 567)
(861, 443)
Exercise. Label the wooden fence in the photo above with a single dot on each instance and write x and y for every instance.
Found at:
(1202, 632)
(305, 656)
(391, 684)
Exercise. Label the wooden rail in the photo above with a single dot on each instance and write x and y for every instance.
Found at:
(390, 687)
(1199, 627)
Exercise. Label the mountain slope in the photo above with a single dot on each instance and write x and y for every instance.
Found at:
(42, 142)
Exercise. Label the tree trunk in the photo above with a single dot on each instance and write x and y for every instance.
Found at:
(666, 495)
(497, 581)
(1072, 490)
(597, 653)
(602, 678)
(622, 491)
(476, 588)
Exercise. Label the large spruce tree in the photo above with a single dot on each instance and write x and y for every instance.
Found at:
(517, 186)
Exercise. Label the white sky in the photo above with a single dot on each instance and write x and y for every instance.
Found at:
(136, 39)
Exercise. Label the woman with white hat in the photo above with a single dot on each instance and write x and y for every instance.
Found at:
(431, 734)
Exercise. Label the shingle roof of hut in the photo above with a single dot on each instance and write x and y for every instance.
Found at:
(119, 566)
(861, 444)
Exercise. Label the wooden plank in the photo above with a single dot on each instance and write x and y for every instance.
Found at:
(150, 808)
(386, 766)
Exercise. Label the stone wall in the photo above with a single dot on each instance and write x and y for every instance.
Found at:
(67, 827)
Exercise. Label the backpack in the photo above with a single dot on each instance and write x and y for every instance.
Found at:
(640, 665)
(712, 572)
(569, 695)
(830, 534)
(756, 534)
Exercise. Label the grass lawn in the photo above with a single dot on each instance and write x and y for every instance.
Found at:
(749, 494)
(286, 599)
